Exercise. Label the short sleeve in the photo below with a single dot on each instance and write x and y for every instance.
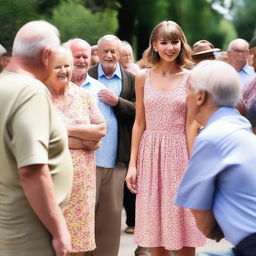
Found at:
(197, 188)
(31, 130)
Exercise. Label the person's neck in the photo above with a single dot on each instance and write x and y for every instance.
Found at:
(26, 66)
(204, 114)
(57, 92)
(167, 68)
(109, 71)
(238, 66)
(78, 78)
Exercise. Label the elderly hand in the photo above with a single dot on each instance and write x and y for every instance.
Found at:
(75, 143)
(62, 244)
(108, 97)
(91, 145)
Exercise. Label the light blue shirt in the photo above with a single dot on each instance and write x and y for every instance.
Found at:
(106, 154)
(222, 174)
(245, 74)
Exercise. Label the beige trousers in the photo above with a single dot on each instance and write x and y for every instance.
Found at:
(109, 203)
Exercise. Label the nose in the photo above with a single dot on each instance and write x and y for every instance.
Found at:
(109, 55)
(63, 69)
(81, 58)
(170, 46)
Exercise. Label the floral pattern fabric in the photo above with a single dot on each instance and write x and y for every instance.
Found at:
(80, 211)
(162, 160)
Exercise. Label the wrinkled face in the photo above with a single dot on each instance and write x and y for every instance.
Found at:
(238, 53)
(82, 57)
(108, 52)
(126, 56)
(168, 50)
(61, 69)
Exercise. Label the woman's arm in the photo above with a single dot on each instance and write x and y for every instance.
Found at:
(76, 144)
(97, 127)
(137, 131)
(87, 131)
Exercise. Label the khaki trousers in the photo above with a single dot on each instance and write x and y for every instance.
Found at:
(109, 202)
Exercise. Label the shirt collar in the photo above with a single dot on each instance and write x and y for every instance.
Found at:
(220, 112)
(87, 81)
(116, 73)
(246, 68)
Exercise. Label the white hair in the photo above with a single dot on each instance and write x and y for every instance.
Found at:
(219, 79)
(110, 38)
(72, 41)
(33, 37)
(66, 52)
(237, 41)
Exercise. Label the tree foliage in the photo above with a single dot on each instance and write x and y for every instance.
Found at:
(74, 20)
(14, 14)
(131, 20)
(244, 19)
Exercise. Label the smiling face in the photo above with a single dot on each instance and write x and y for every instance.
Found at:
(61, 63)
(82, 56)
(108, 52)
(168, 49)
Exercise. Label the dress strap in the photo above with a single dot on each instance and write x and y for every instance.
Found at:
(147, 77)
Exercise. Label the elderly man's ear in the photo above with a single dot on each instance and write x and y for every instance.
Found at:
(45, 56)
(201, 97)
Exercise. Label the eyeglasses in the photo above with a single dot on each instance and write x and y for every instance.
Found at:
(240, 51)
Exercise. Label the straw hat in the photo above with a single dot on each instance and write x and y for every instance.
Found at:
(202, 47)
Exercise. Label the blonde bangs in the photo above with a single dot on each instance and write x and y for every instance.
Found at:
(168, 32)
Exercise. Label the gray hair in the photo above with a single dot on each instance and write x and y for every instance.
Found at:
(237, 41)
(72, 41)
(110, 38)
(33, 37)
(67, 52)
(219, 79)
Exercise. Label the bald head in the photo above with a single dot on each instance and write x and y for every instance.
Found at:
(33, 37)
(238, 50)
(238, 43)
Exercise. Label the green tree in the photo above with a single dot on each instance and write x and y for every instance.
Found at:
(13, 15)
(74, 20)
(244, 19)
(229, 31)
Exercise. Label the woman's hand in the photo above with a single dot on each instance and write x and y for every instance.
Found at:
(131, 179)
(75, 143)
(91, 145)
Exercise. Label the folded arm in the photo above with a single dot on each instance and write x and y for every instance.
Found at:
(92, 132)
